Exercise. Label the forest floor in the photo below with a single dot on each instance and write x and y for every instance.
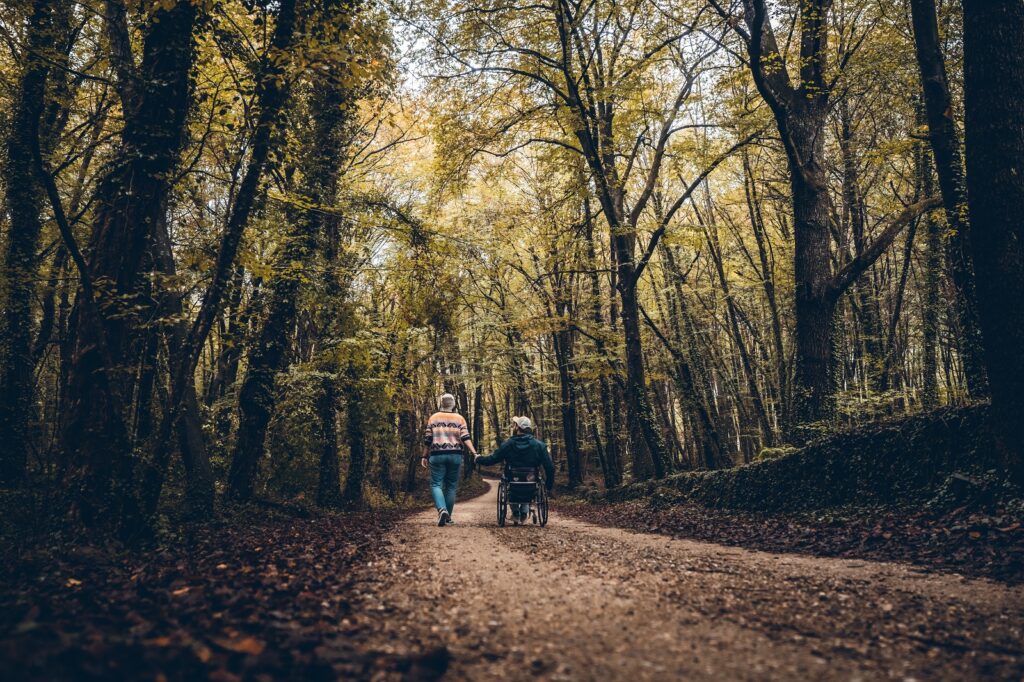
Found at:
(394, 597)
(968, 540)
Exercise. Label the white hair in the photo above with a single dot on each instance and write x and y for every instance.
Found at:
(447, 402)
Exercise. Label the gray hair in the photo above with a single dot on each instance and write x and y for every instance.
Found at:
(447, 402)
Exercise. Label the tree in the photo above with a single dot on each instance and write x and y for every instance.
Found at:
(800, 111)
(994, 137)
(320, 171)
(945, 142)
(113, 302)
(24, 201)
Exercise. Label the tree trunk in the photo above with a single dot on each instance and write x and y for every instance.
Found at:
(328, 493)
(410, 434)
(705, 431)
(800, 110)
(994, 126)
(231, 337)
(24, 202)
(352, 495)
(495, 419)
(649, 450)
(130, 201)
(814, 387)
(930, 312)
(564, 356)
(191, 442)
(945, 143)
(478, 422)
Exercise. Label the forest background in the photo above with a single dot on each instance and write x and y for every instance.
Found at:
(246, 244)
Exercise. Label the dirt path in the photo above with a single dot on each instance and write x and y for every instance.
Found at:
(581, 602)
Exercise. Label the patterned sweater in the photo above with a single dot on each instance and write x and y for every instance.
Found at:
(445, 432)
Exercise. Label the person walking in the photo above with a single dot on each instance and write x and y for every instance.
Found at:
(445, 439)
(522, 450)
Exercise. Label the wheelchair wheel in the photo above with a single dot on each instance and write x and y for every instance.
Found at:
(502, 502)
(542, 505)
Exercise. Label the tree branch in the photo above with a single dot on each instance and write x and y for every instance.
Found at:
(849, 273)
(660, 231)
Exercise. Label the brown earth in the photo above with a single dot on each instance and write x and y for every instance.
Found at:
(575, 601)
(972, 541)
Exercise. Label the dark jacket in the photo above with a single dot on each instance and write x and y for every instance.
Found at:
(523, 451)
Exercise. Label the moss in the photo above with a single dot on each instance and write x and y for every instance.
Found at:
(775, 453)
(882, 464)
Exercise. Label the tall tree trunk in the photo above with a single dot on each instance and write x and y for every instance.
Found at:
(495, 419)
(649, 448)
(131, 200)
(813, 392)
(352, 495)
(225, 367)
(478, 420)
(945, 143)
(24, 202)
(410, 434)
(891, 348)
(930, 311)
(800, 109)
(328, 493)
(60, 266)
(191, 442)
(565, 357)
(994, 127)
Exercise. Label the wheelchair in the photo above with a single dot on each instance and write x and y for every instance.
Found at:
(520, 486)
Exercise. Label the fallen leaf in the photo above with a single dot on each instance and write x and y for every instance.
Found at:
(158, 641)
(240, 645)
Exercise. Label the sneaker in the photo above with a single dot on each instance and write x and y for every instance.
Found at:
(443, 517)
(451, 521)
(515, 520)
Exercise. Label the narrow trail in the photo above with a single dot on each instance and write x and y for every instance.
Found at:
(580, 602)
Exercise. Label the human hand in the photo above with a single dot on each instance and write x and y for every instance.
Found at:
(423, 462)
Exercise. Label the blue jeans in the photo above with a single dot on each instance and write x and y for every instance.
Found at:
(444, 479)
(521, 509)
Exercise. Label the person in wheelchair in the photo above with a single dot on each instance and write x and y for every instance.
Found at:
(522, 451)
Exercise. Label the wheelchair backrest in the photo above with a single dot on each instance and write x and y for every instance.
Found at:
(523, 475)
